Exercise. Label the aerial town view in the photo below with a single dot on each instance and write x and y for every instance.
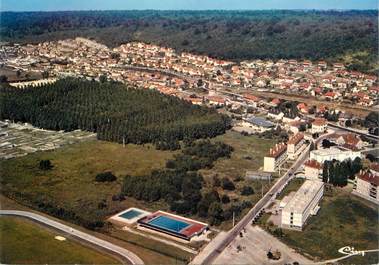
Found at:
(189, 132)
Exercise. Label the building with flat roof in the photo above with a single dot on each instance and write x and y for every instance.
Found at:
(258, 124)
(303, 204)
(334, 153)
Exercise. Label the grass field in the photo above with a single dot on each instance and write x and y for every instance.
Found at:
(149, 251)
(70, 184)
(294, 185)
(23, 242)
(343, 220)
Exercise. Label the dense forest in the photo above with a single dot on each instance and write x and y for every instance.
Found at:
(347, 36)
(116, 112)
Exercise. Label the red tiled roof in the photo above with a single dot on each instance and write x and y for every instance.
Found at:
(374, 167)
(319, 122)
(251, 97)
(313, 164)
(296, 138)
(278, 150)
(369, 177)
(351, 139)
(216, 99)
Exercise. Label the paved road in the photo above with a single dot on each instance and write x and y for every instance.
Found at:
(247, 219)
(124, 253)
(360, 132)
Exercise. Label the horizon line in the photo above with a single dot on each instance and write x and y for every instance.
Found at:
(192, 10)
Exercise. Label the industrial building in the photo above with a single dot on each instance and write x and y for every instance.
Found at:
(303, 204)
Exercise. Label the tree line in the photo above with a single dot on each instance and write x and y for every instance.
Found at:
(114, 111)
(338, 173)
(235, 35)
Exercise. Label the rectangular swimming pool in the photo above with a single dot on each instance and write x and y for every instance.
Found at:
(130, 214)
(168, 223)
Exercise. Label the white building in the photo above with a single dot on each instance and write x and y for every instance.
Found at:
(319, 126)
(294, 144)
(303, 204)
(366, 186)
(313, 170)
(275, 158)
(337, 153)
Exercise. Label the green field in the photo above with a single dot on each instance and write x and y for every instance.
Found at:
(343, 220)
(294, 185)
(23, 242)
(70, 184)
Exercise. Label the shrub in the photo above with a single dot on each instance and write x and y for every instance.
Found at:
(227, 184)
(45, 165)
(247, 190)
(105, 177)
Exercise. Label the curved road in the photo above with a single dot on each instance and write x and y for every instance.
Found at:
(124, 253)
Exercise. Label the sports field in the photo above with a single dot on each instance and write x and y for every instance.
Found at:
(24, 242)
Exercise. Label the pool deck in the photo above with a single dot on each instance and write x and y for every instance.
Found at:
(124, 221)
(193, 228)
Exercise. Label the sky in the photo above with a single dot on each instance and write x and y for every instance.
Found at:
(54, 5)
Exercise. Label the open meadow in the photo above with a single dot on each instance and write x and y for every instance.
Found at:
(24, 242)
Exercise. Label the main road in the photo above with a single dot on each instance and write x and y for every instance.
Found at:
(122, 252)
(258, 207)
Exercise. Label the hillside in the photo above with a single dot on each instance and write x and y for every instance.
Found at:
(350, 36)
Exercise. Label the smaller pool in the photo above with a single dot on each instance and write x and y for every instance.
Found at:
(130, 214)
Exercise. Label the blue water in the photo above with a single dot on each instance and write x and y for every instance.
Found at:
(130, 214)
(168, 224)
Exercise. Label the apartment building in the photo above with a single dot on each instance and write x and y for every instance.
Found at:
(319, 125)
(313, 170)
(275, 158)
(294, 144)
(303, 204)
(366, 185)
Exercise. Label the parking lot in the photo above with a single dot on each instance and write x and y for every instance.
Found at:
(253, 246)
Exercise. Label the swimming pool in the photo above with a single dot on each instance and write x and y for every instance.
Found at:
(130, 214)
(168, 223)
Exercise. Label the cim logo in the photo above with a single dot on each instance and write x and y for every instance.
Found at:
(350, 251)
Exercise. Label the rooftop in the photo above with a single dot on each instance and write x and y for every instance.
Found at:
(304, 196)
(261, 122)
(296, 138)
